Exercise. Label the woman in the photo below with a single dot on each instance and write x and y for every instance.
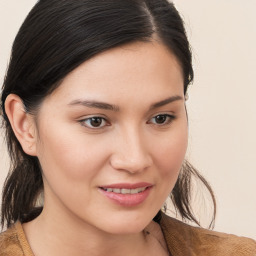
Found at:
(94, 111)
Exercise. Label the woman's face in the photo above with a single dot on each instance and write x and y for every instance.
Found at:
(112, 138)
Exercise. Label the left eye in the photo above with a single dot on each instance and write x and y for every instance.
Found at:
(94, 122)
(162, 119)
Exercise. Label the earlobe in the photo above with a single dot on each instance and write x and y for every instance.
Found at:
(22, 123)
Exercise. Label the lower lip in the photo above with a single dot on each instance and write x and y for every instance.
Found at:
(127, 200)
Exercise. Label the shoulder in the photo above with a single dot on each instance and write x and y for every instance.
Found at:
(9, 242)
(13, 242)
(183, 239)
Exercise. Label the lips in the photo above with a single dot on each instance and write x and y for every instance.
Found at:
(125, 191)
(127, 194)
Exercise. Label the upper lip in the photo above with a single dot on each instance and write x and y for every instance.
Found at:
(128, 185)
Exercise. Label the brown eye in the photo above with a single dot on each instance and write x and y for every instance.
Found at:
(163, 119)
(94, 122)
(160, 119)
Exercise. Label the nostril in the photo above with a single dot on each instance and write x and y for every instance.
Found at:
(130, 164)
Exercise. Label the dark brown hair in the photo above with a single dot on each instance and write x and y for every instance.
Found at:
(55, 38)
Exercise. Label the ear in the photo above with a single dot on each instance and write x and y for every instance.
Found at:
(23, 124)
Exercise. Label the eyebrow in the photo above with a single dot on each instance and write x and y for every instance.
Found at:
(107, 106)
(94, 104)
(166, 101)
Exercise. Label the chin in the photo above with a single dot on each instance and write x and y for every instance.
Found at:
(127, 229)
(125, 225)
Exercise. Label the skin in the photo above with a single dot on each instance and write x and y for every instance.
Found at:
(129, 146)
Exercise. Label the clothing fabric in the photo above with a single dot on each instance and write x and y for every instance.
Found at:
(181, 239)
(13, 242)
(185, 240)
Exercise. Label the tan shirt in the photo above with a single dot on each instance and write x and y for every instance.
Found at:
(185, 240)
(181, 239)
(13, 242)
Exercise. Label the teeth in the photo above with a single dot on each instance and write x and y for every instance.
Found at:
(124, 190)
(117, 190)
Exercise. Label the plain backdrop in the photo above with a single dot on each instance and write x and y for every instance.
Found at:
(222, 103)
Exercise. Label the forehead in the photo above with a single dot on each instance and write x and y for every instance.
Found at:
(148, 70)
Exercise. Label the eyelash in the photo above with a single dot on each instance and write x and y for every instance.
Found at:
(90, 119)
(167, 120)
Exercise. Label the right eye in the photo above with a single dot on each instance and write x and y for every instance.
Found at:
(162, 119)
(95, 122)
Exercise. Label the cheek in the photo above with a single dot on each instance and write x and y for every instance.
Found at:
(70, 154)
(171, 153)
(70, 165)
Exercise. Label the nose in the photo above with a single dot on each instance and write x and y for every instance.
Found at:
(131, 153)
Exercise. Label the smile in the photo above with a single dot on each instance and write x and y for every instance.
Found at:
(127, 195)
(125, 190)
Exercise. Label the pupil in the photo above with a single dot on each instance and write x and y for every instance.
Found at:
(96, 121)
(160, 119)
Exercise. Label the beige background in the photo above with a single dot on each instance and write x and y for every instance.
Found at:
(222, 104)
